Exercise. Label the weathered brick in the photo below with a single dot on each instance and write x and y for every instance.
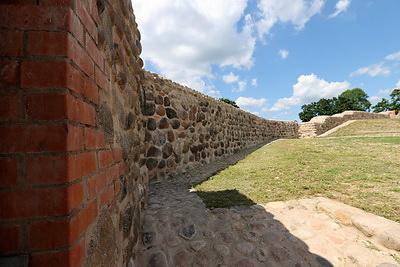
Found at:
(58, 107)
(91, 91)
(109, 157)
(46, 43)
(87, 113)
(64, 258)
(8, 169)
(9, 239)
(86, 20)
(11, 43)
(83, 219)
(112, 174)
(96, 184)
(9, 108)
(8, 73)
(33, 17)
(101, 79)
(94, 52)
(40, 202)
(55, 2)
(48, 235)
(107, 196)
(50, 74)
(47, 106)
(94, 138)
(51, 138)
(40, 170)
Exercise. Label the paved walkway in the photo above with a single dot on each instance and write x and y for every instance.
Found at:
(180, 231)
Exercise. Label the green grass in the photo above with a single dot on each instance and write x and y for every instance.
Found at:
(363, 172)
(370, 128)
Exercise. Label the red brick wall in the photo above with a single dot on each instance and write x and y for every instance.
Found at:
(57, 170)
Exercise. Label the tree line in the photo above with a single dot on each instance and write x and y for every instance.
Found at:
(352, 99)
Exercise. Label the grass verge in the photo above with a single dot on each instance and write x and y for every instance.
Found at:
(363, 172)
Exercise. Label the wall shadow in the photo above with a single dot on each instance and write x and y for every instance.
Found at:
(262, 229)
(224, 198)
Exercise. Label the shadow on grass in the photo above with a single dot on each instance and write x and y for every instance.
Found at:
(224, 199)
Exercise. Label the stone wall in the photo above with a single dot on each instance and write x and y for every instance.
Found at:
(321, 124)
(185, 128)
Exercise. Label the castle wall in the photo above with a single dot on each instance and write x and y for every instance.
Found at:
(321, 124)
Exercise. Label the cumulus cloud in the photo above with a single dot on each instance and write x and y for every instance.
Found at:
(242, 85)
(394, 56)
(297, 12)
(310, 88)
(341, 6)
(230, 78)
(184, 39)
(375, 99)
(250, 102)
(373, 70)
(385, 91)
(398, 84)
(283, 53)
(254, 82)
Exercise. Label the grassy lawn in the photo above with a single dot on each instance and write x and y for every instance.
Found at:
(360, 167)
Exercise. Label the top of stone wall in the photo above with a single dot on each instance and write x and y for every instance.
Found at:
(350, 114)
(187, 90)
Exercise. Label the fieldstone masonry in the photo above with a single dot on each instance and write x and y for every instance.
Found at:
(185, 128)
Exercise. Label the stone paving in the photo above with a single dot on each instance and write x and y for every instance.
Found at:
(180, 231)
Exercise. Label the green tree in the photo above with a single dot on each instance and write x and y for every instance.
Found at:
(308, 112)
(352, 99)
(392, 104)
(395, 100)
(383, 105)
(228, 101)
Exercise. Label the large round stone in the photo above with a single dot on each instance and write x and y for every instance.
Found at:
(151, 163)
(153, 152)
(167, 150)
(171, 113)
(151, 124)
(175, 124)
(163, 123)
(158, 138)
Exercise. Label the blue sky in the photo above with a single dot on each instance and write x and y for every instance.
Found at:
(272, 56)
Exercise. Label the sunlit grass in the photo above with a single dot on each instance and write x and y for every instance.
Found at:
(363, 172)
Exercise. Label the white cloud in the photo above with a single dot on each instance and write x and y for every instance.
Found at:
(297, 12)
(373, 70)
(283, 53)
(398, 84)
(385, 92)
(375, 99)
(250, 102)
(242, 85)
(394, 56)
(310, 88)
(184, 39)
(230, 78)
(341, 6)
